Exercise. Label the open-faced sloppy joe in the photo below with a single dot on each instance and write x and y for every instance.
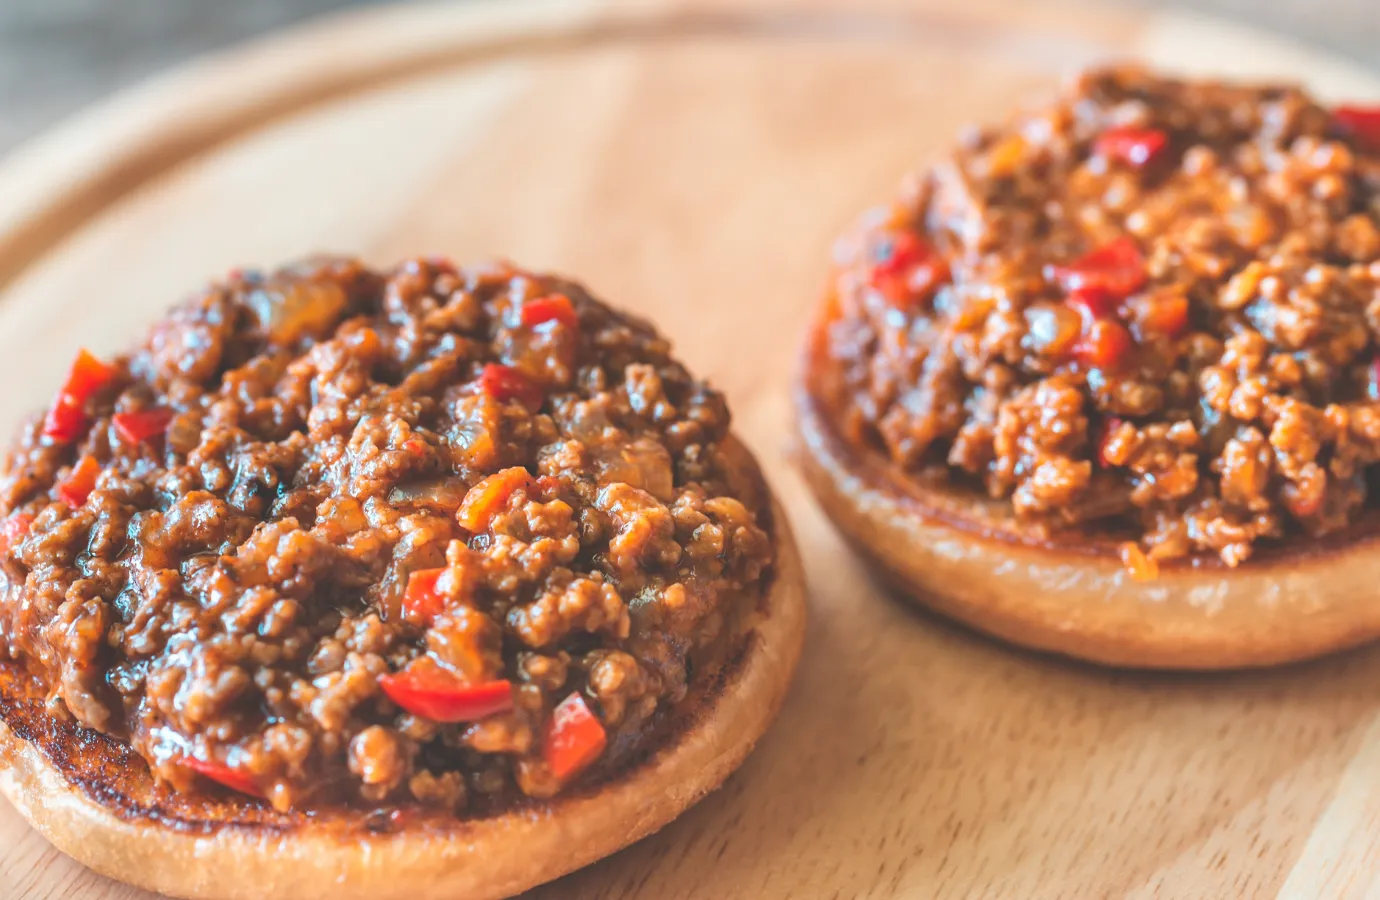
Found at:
(1140, 322)
(434, 539)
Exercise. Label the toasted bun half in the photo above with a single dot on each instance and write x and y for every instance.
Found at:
(962, 554)
(96, 801)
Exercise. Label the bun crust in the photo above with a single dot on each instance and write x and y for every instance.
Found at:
(94, 799)
(962, 554)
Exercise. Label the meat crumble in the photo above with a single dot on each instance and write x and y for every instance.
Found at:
(1150, 309)
(437, 535)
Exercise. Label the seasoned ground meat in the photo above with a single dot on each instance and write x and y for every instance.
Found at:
(1149, 309)
(330, 535)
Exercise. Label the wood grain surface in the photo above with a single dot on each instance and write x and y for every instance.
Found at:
(692, 160)
(57, 55)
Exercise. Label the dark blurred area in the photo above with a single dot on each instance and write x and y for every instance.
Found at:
(59, 55)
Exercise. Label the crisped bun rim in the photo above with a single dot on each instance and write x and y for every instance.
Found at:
(956, 551)
(71, 786)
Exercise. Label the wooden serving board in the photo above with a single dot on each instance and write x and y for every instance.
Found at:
(692, 160)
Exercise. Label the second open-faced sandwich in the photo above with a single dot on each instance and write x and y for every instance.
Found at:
(1105, 380)
(436, 582)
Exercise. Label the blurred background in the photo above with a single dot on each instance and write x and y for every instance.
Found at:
(59, 55)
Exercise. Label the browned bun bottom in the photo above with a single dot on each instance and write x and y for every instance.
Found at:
(96, 801)
(962, 554)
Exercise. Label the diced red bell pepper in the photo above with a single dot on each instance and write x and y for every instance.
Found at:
(80, 483)
(142, 425)
(1109, 428)
(14, 531)
(440, 696)
(907, 269)
(87, 376)
(897, 253)
(421, 599)
(225, 776)
(1104, 345)
(551, 308)
(505, 383)
(1116, 269)
(488, 497)
(574, 738)
(1359, 122)
(66, 419)
(1134, 146)
(1093, 304)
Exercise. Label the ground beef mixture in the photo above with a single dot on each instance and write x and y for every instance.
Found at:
(330, 535)
(1150, 309)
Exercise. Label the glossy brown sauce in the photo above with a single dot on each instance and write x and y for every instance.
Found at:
(337, 536)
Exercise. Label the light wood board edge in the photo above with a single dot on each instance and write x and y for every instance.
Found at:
(63, 178)
(68, 175)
